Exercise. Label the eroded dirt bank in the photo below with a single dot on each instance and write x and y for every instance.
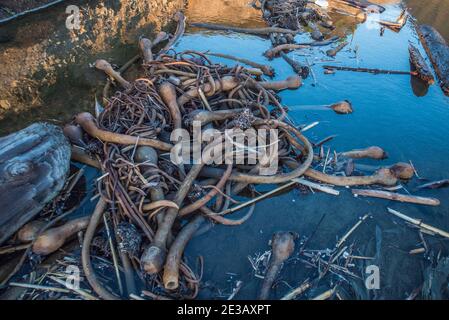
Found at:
(40, 56)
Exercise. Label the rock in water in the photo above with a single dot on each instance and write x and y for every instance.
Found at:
(34, 163)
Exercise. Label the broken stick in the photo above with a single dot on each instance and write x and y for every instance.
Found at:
(419, 223)
(396, 197)
(368, 70)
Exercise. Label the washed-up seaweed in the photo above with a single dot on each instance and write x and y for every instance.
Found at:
(149, 208)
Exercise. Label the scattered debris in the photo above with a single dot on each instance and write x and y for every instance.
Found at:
(149, 208)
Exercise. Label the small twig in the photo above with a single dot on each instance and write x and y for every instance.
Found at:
(343, 239)
(414, 170)
(114, 254)
(82, 293)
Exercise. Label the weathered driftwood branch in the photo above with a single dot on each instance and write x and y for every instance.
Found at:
(438, 52)
(419, 64)
(368, 70)
(34, 163)
(282, 246)
(396, 196)
(87, 122)
(256, 31)
(419, 223)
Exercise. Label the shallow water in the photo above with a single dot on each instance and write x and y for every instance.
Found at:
(409, 123)
(387, 114)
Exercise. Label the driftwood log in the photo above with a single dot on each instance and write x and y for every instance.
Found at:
(419, 64)
(34, 163)
(438, 52)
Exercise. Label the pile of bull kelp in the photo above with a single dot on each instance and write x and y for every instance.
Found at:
(149, 206)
